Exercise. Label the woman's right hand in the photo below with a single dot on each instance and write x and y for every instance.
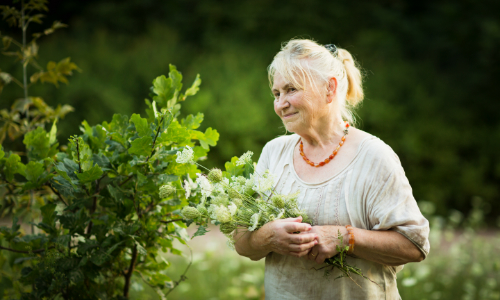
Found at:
(286, 236)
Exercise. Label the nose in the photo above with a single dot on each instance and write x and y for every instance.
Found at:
(282, 102)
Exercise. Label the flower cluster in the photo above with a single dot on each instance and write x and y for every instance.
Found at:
(186, 156)
(240, 202)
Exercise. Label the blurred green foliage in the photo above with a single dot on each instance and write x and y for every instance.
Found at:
(430, 70)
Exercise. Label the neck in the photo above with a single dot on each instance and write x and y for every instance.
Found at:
(324, 133)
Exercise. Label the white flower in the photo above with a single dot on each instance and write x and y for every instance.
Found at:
(264, 183)
(222, 213)
(254, 219)
(186, 156)
(232, 208)
(245, 158)
(205, 185)
(187, 188)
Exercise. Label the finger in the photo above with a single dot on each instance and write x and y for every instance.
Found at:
(296, 227)
(303, 238)
(297, 219)
(299, 254)
(301, 247)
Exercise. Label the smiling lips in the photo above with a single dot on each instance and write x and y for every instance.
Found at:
(289, 115)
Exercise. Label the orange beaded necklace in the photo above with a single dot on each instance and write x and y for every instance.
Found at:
(328, 159)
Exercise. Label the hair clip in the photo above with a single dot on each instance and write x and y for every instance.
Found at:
(332, 48)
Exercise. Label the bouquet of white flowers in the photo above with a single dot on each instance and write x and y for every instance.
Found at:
(239, 198)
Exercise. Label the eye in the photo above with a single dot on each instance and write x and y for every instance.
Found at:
(276, 95)
(292, 89)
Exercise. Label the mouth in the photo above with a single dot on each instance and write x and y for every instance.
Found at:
(289, 115)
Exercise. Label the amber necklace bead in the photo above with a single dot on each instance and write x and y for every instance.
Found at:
(329, 158)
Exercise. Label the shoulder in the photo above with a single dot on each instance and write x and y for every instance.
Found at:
(375, 153)
(281, 144)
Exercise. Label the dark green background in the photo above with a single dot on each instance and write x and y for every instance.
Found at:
(431, 67)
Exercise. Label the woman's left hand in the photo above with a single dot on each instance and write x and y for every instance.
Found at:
(327, 242)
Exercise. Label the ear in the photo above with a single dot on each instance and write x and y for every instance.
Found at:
(331, 90)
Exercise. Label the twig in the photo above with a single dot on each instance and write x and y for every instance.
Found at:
(128, 275)
(154, 141)
(57, 193)
(126, 180)
(170, 221)
(183, 276)
(94, 203)
(27, 252)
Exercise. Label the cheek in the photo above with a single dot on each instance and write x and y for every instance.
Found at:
(276, 110)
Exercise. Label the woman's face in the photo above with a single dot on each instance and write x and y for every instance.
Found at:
(291, 105)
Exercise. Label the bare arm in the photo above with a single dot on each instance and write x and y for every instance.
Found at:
(385, 247)
(278, 236)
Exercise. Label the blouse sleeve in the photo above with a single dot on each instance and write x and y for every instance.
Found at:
(390, 204)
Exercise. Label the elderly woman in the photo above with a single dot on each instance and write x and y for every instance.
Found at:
(350, 182)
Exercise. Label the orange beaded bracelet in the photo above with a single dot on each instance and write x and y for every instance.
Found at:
(351, 238)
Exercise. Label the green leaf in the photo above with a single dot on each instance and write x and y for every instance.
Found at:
(194, 87)
(13, 165)
(53, 132)
(192, 122)
(201, 231)
(176, 133)
(141, 146)
(33, 171)
(48, 215)
(2, 154)
(141, 249)
(141, 125)
(37, 143)
(232, 168)
(210, 139)
(90, 175)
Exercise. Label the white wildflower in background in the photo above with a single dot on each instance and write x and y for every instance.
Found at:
(205, 185)
(245, 158)
(264, 183)
(186, 156)
(254, 220)
(232, 208)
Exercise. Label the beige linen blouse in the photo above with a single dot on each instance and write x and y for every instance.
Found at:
(372, 192)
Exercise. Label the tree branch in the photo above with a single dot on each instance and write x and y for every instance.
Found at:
(128, 275)
(27, 252)
(170, 221)
(126, 180)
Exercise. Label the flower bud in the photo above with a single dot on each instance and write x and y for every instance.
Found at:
(215, 175)
(166, 190)
(278, 201)
(202, 209)
(233, 193)
(190, 212)
(227, 228)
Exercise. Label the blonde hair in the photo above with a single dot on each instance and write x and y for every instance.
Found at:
(314, 63)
